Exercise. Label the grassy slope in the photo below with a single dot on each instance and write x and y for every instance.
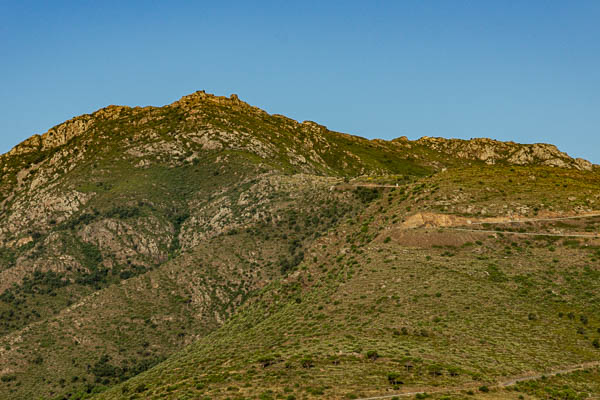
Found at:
(165, 181)
(137, 218)
(472, 313)
(188, 296)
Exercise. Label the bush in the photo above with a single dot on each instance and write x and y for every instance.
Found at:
(372, 355)
(8, 378)
(394, 379)
(141, 388)
(7, 258)
(532, 317)
(315, 391)
(366, 195)
(495, 274)
(122, 212)
(267, 361)
(91, 254)
(484, 389)
(307, 363)
(435, 370)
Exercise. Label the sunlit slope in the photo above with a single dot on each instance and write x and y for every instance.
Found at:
(378, 307)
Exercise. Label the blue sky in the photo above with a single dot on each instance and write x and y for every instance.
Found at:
(510, 70)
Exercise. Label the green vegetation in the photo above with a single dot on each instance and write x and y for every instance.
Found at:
(207, 249)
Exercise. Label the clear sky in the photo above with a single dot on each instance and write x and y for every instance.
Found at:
(527, 71)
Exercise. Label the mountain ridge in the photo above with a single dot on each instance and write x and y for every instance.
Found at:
(483, 149)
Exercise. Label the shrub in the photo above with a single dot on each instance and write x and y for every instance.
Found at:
(141, 388)
(372, 355)
(315, 391)
(266, 395)
(495, 274)
(122, 212)
(532, 317)
(366, 195)
(267, 361)
(435, 370)
(8, 378)
(484, 389)
(307, 363)
(394, 379)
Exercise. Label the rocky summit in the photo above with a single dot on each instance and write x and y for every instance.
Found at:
(210, 250)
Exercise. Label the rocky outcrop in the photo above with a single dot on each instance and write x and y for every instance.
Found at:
(493, 151)
(63, 133)
(307, 144)
(191, 101)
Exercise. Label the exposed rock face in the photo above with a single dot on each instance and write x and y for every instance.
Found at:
(493, 151)
(483, 149)
(40, 209)
(584, 165)
(63, 133)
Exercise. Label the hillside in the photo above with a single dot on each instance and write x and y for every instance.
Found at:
(230, 253)
(381, 307)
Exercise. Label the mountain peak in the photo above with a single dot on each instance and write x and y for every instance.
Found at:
(201, 96)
